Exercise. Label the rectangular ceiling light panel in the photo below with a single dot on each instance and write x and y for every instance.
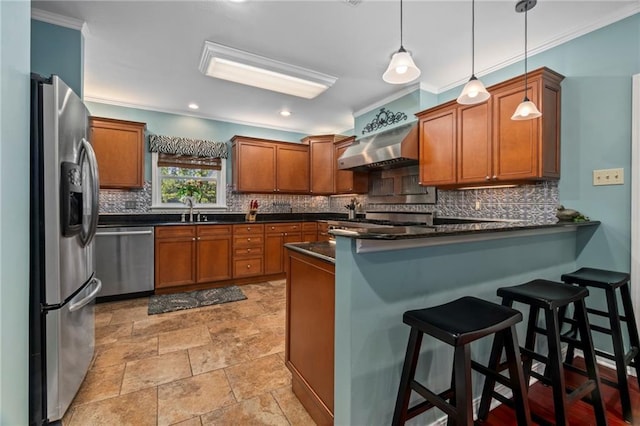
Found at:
(235, 65)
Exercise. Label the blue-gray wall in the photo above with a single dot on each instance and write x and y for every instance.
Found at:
(14, 211)
(161, 123)
(57, 50)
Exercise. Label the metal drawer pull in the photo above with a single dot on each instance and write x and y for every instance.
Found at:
(109, 234)
(248, 266)
(248, 239)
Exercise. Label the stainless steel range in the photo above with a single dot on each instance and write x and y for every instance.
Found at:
(382, 219)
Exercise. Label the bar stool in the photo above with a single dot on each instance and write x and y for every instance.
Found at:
(458, 323)
(610, 281)
(550, 297)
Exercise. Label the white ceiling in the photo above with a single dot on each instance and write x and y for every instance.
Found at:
(146, 54)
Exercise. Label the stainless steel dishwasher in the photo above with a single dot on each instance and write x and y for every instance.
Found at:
(124, 262)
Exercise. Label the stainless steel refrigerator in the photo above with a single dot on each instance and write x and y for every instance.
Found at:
(63, 221)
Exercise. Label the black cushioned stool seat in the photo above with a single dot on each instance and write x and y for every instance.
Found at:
(459, 323)
(611, 282)
(551, 298)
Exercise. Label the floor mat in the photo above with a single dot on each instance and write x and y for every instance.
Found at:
(162, 303)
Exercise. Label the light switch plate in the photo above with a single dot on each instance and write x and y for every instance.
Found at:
(608, 177)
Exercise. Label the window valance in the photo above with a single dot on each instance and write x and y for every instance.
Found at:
(189, 147)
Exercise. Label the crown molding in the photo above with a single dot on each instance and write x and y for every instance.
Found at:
(59, 20)
(188, 114)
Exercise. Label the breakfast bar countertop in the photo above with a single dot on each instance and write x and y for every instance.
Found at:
(324, 250)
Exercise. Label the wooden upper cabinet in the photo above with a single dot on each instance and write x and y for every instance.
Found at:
(119, 147)
(254, 165)
(474, 143)
(528, 149)
(292, 168)
(347, 181)
(261, 165)
(322, 164)
(480, 144)
(437, 157)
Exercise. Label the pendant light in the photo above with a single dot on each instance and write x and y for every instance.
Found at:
(474, 91)
(527, 110)
(401, 69)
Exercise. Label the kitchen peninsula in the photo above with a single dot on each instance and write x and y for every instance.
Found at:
(372, 287)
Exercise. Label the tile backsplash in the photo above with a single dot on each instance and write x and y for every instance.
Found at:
(536, 201)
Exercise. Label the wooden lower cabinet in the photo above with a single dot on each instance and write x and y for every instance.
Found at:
(248, 248)
(310, 329)
(323, 231)
(188, 255)
(310, 231)
(276, 236)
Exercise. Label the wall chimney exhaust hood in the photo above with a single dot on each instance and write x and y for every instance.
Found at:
(397, 147)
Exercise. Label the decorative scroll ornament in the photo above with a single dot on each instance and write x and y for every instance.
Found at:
(382, 119)
(185, 146)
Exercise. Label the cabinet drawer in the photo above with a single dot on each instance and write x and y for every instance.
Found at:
(175, 231)
(251, 229)
(309, 226)
(248, 241)
(205, 230)
(282, 227)
(247, 267)
(247, 251)
(323, 227)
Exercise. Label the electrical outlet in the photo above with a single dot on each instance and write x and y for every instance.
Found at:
(131, 204)
(608, 177)
(477, 205)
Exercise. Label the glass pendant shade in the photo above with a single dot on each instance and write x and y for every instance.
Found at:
(526, 110)
(474, 92)
(401, 69)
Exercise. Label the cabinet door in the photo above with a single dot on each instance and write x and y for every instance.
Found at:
(515, 143)
(175, 262)
(273, 260)
(474, 143)
(119, 147)
(292, 168)
(214, 258)
(438, 147)
(256, 167)
(322, 167)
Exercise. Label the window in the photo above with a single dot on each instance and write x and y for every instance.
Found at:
(175, 177)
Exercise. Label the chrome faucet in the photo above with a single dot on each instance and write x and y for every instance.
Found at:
(189, 201)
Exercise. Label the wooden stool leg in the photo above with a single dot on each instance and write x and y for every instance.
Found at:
(489, 382)
(619, 354)
(590, 361)
(632, 326)
(555, 367)
(530, 342)
(408, 373)
(464, 401)
(520, 393)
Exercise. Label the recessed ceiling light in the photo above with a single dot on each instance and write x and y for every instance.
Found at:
(285, 113)
(193, 106)
(237, 1)
(235, 65)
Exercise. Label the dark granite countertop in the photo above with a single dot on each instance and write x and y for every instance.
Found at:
(151, 219)
(408, 232)
(325, 250)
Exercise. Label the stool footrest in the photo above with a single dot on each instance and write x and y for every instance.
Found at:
(432, 400)
(604, 354)
(531, 354)
(601, 329)
(541, 377)
(604, 314)
(583, 390)
(491, 373)
(540, 330)
(503, 399)
(571, 339)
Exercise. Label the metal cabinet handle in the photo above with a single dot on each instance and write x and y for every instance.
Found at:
(487, 178)
(248, 266)
(75, 306)
(198, 238)
(119, 234)
(248, 239)
(494, 177)
(248, 250)
(193, 239)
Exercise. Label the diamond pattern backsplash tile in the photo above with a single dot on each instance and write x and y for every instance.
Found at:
(526, 202)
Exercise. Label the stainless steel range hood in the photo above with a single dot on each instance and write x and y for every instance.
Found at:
(391, 148)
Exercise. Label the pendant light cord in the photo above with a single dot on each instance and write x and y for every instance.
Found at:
(473, 36)
(526, 10)
(401, 46)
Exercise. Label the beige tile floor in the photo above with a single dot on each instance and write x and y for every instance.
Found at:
(217, 365)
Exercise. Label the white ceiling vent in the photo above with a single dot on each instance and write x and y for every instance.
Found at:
(353, 2)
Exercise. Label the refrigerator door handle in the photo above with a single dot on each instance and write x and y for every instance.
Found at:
(85, 301)
(95, 192)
